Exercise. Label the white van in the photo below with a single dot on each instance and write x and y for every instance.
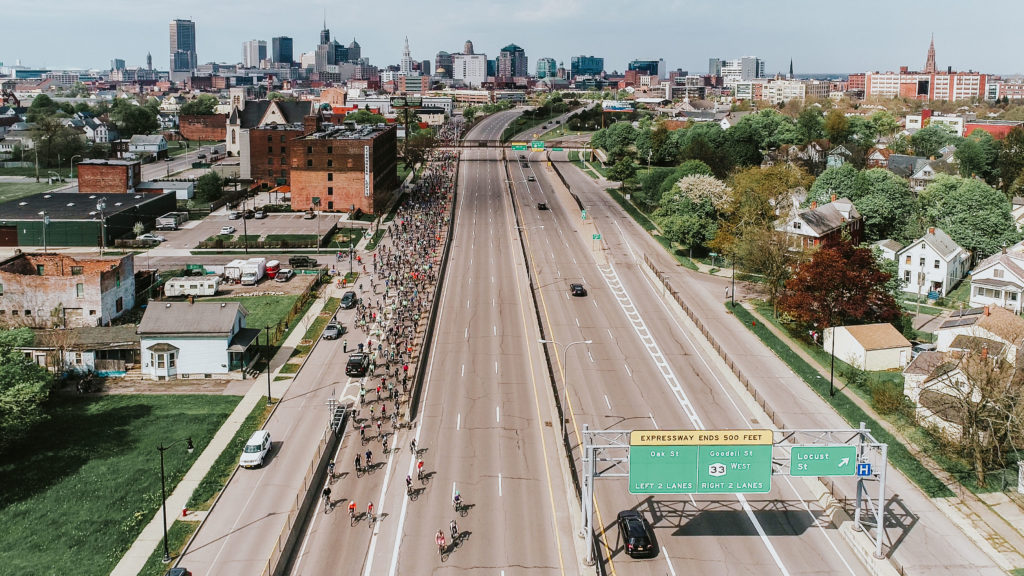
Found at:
(256, 450)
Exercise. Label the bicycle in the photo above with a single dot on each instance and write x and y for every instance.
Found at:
(327, 501)
(352, 518)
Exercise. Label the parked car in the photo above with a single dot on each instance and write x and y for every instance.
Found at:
(234, 215)
(919, 347)
(227, 230)
(309, 215)
(154, 237)
(260, 214)
(256, 450)
(284, 274)
(179, 571)
(577, 289)
(636, 534)
(332, 331)
(348, 300)
(302, 262)
(248, 214)
(357, 365)
(201, 156)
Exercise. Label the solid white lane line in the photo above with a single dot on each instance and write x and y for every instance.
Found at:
(628, 371)
(497, 413)
(466, 336)
(467, 304)
(610, 334)
(606, 401)
(458, 421)
(499, 494)
(577, 322)
(495, 326)
(495, 366)
(591, 356)
(656, 427)
(463, 369)
(492, 302)
(668, 561)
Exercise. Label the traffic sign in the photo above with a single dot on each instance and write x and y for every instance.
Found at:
(864, 469)
(823, 460)
(519, 146)
(597, 236)
(583, 214)
(700, 461)
(556, 149)
(537, 144)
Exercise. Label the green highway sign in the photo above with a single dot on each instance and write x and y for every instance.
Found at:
(557, 149)
(583, 214)
(537, 144)
(835, 460)
(597, 236)
(519, 147)
(700, 461)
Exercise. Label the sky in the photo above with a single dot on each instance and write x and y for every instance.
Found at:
(820, 37)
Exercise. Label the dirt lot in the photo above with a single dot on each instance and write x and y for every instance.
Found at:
(298, 284)
(145, 386)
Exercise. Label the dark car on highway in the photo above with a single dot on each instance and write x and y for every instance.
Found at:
(577, 289)
(542, 206)
(349, 300)
(357, 365)
(636, 534)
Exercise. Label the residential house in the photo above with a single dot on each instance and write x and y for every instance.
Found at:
(889, 248)
(818, 225)
(143, 144)
(999, 280)
(933, 264)
(810, 156)
(838, 156)
(97, 131)
(868, 346)
(1017, 211)
(105, 350)
(927, 382)
(877, 158)
(47, 290)
(921, 171)
(196, 340)
(991, 323)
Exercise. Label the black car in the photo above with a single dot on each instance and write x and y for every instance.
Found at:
(542, 206)
(358, 365)
(302, 262)
(636, 534)
(348, 300)
(178, 572)
(577, 289)
(249, 214)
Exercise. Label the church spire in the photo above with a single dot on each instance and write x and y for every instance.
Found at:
(790, 68)
(929, 65)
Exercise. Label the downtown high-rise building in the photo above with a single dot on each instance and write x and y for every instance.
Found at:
(738, 70)
(253, 52)
(405, 66)
(546, 68)
(281, 49)
(184, 59)
(511, 63)
(586, 66)
(443, 64)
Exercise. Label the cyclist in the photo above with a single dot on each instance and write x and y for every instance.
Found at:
(369, 458)
(419, 469)
(412, 446)
(455, 530)
(358, 463)
(408, 483)
(330, 468)
(457, 500)
(362, 431)
(384, 441)
(327, 496)
(352, 509)
(440, 541)
(369, 510)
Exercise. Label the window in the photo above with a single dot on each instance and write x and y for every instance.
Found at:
(330, 176)
(1, 289)
(997, 273)
(936, 265)
(160, 360)
(330, 205)
(39, 269)
(330, 162)
(80, 290)
(282, 138)
(270, 149)
(171, 359)
(330, 149)
(908, 260)
(28, 312)
(1013, 296)
(309, 149)
(796, 225)
(270, 161)
(330, 191)
(14, 312)
(78, 358)
(906, 276)
(270, 173)
(92, 312)
(119, 304)
(76, 270)
(922, 261)
(284, 150)
(309, 163)
(118, 282)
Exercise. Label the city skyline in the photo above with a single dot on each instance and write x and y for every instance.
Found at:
(615, 31)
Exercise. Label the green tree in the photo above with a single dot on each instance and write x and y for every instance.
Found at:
(884, 123)
(837, 127)
(928, 140)
(1010, 158)
(888, 206)
(975, 215)
(417, 146)
(42, 106)
(978, 155)
(131, 119)
(363, 116)
(24, 388)
(622, 170)
(54, 142)
(840, 180)
(616, 139)
(758, 196)
(469, 114)
(809, 124)
(860, 132)
(209, 187)
(705, 142)
(202, 105)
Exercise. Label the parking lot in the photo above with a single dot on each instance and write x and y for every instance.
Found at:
(195, 231)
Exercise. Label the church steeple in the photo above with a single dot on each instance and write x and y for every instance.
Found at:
(790, 68)
(929, 65)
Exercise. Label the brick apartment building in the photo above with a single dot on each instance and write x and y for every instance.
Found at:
(345, 166)
(108, 176)
(56, 290)
(264, 150)
(204, 127)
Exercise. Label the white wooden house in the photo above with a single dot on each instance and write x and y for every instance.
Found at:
(933, 264)
(998, 281)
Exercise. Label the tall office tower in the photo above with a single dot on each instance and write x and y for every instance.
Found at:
(253, 52)
(546, 67)
(405, 65)
(443, 64)
(511, 62)
(149, 61)
(117, 64)
(425, 68)
(184, 59)
(649, 67)
(752, 67)
(929, 64)
(340, 52)
(586, 66)
(325, 34)
(714, 66)
(355, 52)
(467, 48)
(281, 49)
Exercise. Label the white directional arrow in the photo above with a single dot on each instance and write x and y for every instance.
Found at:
(844, 462)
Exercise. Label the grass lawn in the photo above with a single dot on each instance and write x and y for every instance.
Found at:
(377, 237)
(263, 310)
(345, 237)
(961, 293)
(193, 147)
(177, 535)
(26, 171)
(80, 493)
(226, 463)
(290, 237)
(15, 191)
(317, 326)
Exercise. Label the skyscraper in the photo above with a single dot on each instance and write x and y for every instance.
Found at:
(586, 66)
(468, 47)
(443, 64)
(117, 64)
(405, 66)
(929, 64)
(511, 62)
(183, 49)
(425, 68)
(281, 49)
(325, 34)
(149, 61)
(253, 52)
(546, 67)
(649, 67)
(355, 51)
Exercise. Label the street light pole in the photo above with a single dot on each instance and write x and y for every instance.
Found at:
(46, 222)
(267, 328)
(163, 490)
(101, 205)
(565, 350)
(71, 174)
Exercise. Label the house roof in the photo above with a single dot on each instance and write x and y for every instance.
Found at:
(976, 344)
(71, 205)
(881, 336)
(186, 318)
(904, 165)
(824, 219)
(940, 242)
(254, 111)
(89, 337)
(146, 139)
(883, 152)
(925, 363)
(243, 339)
(889, 244)
(1012, 259)
(1002, 323)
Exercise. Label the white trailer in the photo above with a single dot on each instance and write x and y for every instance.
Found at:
(233, 270)
(192, 286)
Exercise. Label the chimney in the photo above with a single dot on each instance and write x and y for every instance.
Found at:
(814, 204)
(984, 351)
(309, 124)
(931, 230)
(1004, 249)
(833, 197)
(986, 311)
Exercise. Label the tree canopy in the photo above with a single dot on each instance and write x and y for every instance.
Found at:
(202, 105)
(928, 140)
(132, 119)
(24, 387)
(363, 116)
(975, 215)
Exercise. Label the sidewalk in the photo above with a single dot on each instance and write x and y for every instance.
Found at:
(151, 536)
(992, 519)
